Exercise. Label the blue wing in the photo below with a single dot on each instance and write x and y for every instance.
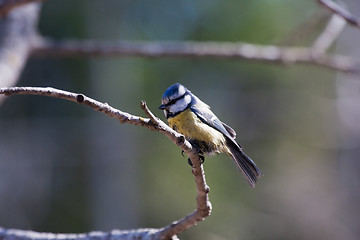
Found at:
(247, 166)
(208, 117)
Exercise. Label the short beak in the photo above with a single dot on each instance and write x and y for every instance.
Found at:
(162, 107)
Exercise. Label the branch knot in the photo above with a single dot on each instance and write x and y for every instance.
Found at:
(80, 98)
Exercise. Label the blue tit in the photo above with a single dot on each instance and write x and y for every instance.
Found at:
(190, 116)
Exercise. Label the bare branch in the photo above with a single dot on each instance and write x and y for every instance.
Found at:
(335, 8)
(7, 5)
(79, 98)
(153, 123)
(253, 52)
(203, 204)
(331, 32)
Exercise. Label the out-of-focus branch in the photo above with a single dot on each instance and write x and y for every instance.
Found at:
(17, 33)
(331, 32)
(253, 52)
(153, 123)
(7, 5)
(335, 8)
(138, 234)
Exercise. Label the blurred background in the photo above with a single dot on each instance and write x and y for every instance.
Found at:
(67, 168)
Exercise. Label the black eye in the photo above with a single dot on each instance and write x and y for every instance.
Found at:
(174, 100)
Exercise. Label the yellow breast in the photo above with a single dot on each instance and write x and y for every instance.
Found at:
(188, 124)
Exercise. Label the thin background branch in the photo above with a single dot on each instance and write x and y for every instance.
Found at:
(253, 52)
(153, 123)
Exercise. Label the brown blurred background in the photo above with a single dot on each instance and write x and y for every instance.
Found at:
(67, 168)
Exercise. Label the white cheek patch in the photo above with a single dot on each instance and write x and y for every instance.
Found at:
(180, 104)
(181, 91)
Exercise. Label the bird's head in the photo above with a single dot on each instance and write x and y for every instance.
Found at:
(175, 100)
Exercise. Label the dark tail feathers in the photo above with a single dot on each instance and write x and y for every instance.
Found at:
(247, 166)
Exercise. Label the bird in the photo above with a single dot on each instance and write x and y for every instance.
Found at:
(188, 115)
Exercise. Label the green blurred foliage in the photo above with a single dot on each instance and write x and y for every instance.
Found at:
(84, 171)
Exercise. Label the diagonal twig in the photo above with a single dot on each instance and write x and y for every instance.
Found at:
(335, 8)
(331, 32)
(153, 123)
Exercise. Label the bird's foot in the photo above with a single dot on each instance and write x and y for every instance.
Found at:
(202, 160)
(190, 163)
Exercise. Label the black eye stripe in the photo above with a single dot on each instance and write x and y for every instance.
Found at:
(175, 100)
